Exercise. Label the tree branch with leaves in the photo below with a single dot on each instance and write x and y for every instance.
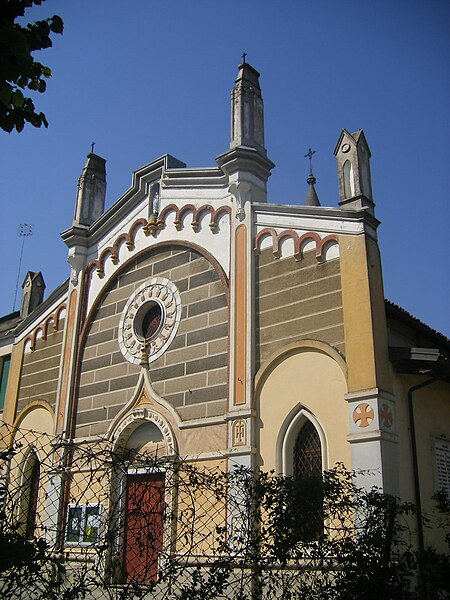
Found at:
(19, 71)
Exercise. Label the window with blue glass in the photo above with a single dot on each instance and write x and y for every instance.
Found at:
(4, 372)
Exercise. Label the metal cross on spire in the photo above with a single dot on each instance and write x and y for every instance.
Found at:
(309, 155)
(92, 147)
(243, 57)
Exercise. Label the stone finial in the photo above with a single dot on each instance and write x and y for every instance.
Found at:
(33, 287)
(91, 192)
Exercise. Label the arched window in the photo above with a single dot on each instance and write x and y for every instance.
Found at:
(301, 444)
(308, 482)
(307, 452)
(349, 185)
(303, 447)
(29, 494)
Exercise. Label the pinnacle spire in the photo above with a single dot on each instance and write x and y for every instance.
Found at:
(91, 191)
(247, 110)
(311, 195)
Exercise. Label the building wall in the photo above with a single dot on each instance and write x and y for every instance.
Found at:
(297, 300)
(306, 377)
(192, 375)
(41, 369)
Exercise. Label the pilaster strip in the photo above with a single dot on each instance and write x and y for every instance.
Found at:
(240, 321)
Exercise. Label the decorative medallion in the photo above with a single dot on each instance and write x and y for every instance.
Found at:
(386, 415)
(363, 415)
(239, 432)
(345, 147)
(150, 321)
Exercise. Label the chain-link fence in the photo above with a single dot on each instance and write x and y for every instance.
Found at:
(88, 520)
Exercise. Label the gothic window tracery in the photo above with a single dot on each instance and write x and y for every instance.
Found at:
(307, 480)
(307, 451)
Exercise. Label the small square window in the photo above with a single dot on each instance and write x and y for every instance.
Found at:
(83, 524)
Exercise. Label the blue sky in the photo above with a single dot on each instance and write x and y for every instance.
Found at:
(146, 77)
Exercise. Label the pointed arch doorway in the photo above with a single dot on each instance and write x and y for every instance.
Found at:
(146, 442)
(144, 508)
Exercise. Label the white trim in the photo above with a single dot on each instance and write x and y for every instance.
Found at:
(83, 507)
(163, 292)
(5, 350)
(287, 436)
(218, 420)
(138, 416)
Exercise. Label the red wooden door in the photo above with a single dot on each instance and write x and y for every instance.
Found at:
(143, 526)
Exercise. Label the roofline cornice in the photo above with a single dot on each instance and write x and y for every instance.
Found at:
(210, 177)
(329, 212)
(119, 210)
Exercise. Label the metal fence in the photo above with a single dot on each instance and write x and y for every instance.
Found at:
(85, 520)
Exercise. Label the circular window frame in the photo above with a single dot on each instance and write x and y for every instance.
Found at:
(135, 348)
(139, 319)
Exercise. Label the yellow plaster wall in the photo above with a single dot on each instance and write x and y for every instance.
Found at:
(68, 344)
(200, 511)
(356, 303)
(33, 431)
(88, 487)
(12, 388)
(311, 379)
(37, 418)
(212, 438)
(366, 346)
(380, 335)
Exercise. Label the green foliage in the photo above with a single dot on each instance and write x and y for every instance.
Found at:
(18, 69)
(29, 561)
(329, 540)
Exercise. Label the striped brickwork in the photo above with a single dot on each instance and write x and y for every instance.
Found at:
(191, 374)
(297, 300)
(41, 369)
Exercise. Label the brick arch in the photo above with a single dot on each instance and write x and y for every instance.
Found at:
(128, 238)
(277, 239)
(55, 316)
(138, 416)
(155, 248)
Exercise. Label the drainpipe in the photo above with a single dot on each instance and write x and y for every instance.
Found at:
(422, 580)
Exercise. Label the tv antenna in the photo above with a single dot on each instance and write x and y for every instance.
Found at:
(25, 230)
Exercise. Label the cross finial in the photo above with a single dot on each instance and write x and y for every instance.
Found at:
(243, 57)
(309, 155)
(92, 147)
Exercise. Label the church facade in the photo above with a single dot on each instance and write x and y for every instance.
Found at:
(208, 325)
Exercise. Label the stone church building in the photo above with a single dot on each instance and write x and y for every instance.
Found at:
(204, 322)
